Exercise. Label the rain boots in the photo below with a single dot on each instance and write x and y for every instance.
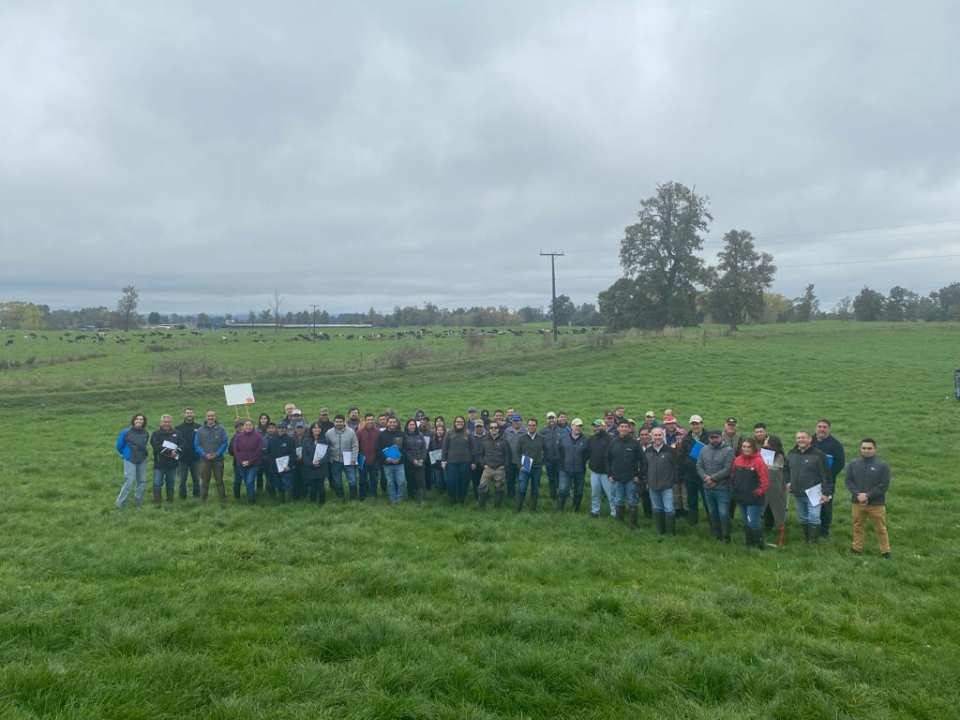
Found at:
(633, 517)
(157, 497)
(561, 502)
(498, 498)
(670, 523)
(715, 527)
(659, 520)
(725, 529)
(169, 494)
(620, 513)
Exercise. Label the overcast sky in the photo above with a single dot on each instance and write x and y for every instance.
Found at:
(390, 153)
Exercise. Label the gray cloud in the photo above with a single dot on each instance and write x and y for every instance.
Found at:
(397, 152)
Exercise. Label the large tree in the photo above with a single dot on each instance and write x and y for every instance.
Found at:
(127, 307)
(565, 310)
(868, 305)
(805, 307)
(736, 295)
(619, 304)
(659, 255)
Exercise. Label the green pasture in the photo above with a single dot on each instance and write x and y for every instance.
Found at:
(371, 611)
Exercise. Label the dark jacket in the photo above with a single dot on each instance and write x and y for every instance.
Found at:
(368, 440)
(512, 436)
(688, 466)
(164, 459)
(573, 453)
(806, 469)
(186, 431)
(532, 447)
(210, 439)
(477, 445)
(388, 438)
(625, 459)
(457, 447)
(832, 447)
(870, 476)
(597, 447)
(749, 479)
(415, 448)
(247, 447)
(281, 445)
(552, 437)
(661, 467)
(494, 452)
(132, 444)
(309, 470)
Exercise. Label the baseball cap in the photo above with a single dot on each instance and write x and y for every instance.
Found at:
(296, 411)
(551, 414)
(515, 417)
(598, 423)
(696, 418)
(649, 414)
(471, 409)
(299, 424)
(576, 421)
(732, 420)
(669, 419)
(324, 411)
(714, 433)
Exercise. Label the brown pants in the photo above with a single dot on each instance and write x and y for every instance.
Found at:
(877, 513)
(216, 468)
(496, 475)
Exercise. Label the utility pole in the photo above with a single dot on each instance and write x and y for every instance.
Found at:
(314, 319)
(553, 287)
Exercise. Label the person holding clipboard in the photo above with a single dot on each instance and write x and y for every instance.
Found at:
(807, 481)
(316, 463)
(165, 442)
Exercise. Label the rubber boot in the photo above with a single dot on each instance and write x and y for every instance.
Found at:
(577, 499)
(519, 502)
(498, 499)
(647, 504)
(781, 535)
(747, 536)
(533, 502)
(671, 523)
(758, 538)
(725, 529)
(157, 497)
(634, 513)
(482, 501)
(660, 522)
(693, 516)
(204, 490)
(620, 513)
(353, 493)
(169, 495)
(714, 527)
(561, 503)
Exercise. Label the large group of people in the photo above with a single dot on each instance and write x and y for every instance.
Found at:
(654, 466)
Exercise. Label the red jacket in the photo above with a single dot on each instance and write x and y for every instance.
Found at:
(756, 462)
(368, 439)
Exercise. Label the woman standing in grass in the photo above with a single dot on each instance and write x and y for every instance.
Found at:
(750, 481)
(457, 457)
(415, 457)
(776, 496)
(247, 456)
(315, 470)
(436, 443)
(262, 423)
(132, 443)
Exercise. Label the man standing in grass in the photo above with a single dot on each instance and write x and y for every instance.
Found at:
(210, 443)
(688, 475)
(343, 440)
(597, 448)
(368, 438)
(494, 457)
(573, 464)
(833, 450)
(661, 476)
(512, 435)
(808, 468)
(713, 466)
(551, 453)
(165, 442)
(731, 438)
(188, 457)
(530, 448)
(868, 479)
(625, 464)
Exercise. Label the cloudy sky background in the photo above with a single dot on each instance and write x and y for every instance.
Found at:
(391, 153)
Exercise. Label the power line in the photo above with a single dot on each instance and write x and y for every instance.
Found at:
(868, 262)
(850, 231)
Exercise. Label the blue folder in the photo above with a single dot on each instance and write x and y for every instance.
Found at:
(392, 452)
(695, 450)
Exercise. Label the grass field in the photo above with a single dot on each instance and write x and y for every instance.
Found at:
(371, 611)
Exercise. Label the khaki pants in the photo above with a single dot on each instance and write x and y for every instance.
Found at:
(497, 475)
(214, 467)
(877, 513)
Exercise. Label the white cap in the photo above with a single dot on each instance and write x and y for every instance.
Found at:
(696, 418)
(576, 421)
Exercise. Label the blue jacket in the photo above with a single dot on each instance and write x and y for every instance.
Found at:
(214, 438)
(573, 452)
(132, 444)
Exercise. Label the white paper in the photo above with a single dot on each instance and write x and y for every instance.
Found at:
(167, 445)
(768, 456)
(320, 453)
(241, 394)
(347, 457)
(436, 456)
(814, 494)
(283, 463)
(299, 452)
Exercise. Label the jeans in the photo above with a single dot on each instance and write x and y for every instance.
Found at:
(316, 486)
(396, 482)
(662, 500)
(249, 477)
(695, 491)
(285, 481)
(717, 501)
(826, 516)
(600, 486)
(337, 470)
(369, 477)
(752, 515)
(531, 478)
(439, 477)
(512, 472)
(188, 466)
(133, 473)
(166, 477)
(567, 479)
(807, 514)
(458, 477)
(626, 493)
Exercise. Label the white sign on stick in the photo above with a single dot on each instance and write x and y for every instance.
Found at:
(241, 394)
